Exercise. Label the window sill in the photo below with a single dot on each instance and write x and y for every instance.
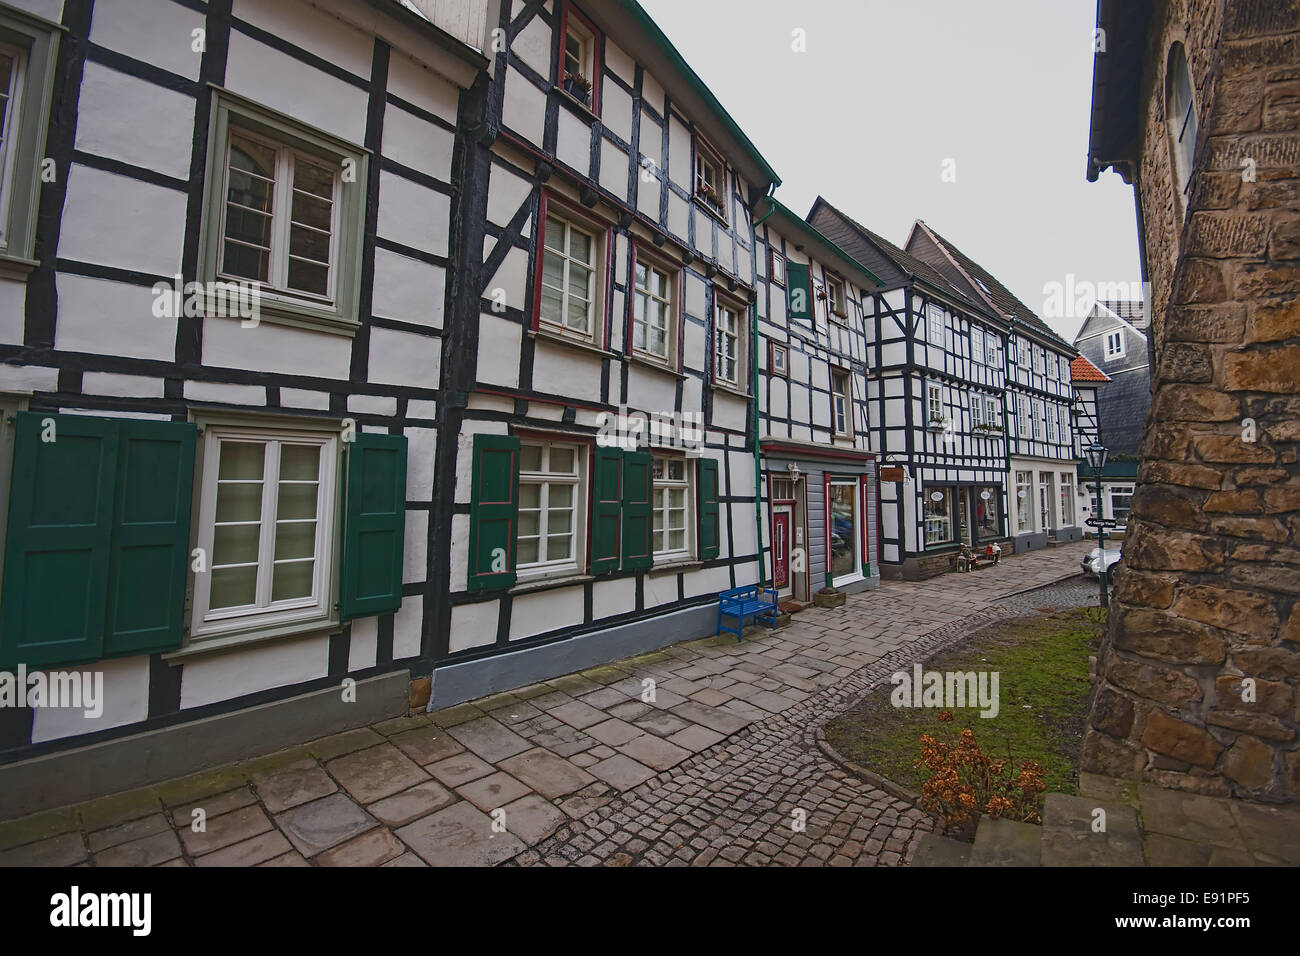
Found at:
(545, 584)
(571, 100)
(16, 267)
(713, 213)
(278, 311)
(674, 567)
(733, 389)
(217, 643)
(559, 339)
(656, 366)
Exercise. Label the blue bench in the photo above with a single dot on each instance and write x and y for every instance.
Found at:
(742, 603)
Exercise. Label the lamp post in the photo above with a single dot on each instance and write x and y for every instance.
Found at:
(1097, 460)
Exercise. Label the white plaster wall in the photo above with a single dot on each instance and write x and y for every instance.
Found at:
(155, 31)
(404, 358)
(545, 611)
(111, 318)
(407, 626)
(13, 305)
(275, 348)
(116, 221)
(124, 693)
(609, 598)
(223, 675)
(415, 143)
(473, 625)
(113, 110)
(413, 215)
(499, 364)
(409, 290)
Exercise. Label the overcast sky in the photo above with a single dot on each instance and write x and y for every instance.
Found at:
(889, 90)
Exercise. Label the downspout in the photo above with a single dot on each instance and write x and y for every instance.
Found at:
(753, 377)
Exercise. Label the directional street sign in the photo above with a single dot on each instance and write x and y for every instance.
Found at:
(1102, 523)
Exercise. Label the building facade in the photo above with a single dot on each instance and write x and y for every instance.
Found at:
(818, 468)
(1042, 479)
(936, 395)
(1198, 674)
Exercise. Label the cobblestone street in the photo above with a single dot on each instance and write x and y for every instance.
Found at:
(711, 772)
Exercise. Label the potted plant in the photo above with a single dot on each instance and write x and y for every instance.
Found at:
(830, 596)
(579, 87)
(937, 423)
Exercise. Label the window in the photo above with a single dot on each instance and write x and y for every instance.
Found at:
(992, 411)
(580, 64)
(266, 522)
(836, 303)
(548, 508)
(934, 410)
(988, 523)
(775, 266)
(1053, 367)
(28, 49)
(782, 489)
(728, 346)
(1115, 344)
(841, 414)
(1067, 499)
(1038, 359)
(938, 516)
(1180, 114)
(1063, 413)
(1022, 353)
(1024, 501)
(993, 348)
(671, 507)
(1040, 421)
(780, 363)
(845, 529)
(710, 179)
(935, 314)
(977, 345)
(1051, 421)
(1121, 499)
(572, 269)
(976, 411)
(1022, 416)
(279, 217)
(1065, 369)
(654, 310)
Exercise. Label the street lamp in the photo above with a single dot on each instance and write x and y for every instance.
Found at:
(1097, 460)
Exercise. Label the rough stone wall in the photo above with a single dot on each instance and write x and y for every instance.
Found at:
(1208, 597)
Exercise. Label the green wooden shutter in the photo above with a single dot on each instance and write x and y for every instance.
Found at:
(798, 287)
(375, 526)
(493, 512)
(59, 532)
(606, 509)
(638, 485)
(706, 487)
(149, 557)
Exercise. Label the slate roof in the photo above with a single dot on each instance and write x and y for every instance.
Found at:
(1001, 297)
(866, 246)
(1081, 370)
(1132, 311)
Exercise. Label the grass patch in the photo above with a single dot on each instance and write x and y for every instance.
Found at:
(1042, 663)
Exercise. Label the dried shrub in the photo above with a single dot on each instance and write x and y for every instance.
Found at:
(965, 782)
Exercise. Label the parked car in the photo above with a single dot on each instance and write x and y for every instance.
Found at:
(1099, 560)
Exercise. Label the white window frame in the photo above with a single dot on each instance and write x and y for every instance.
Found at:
(1115, 345)
(267, 614)
(577, 530)
(9, 133)
(781, 368)
(668, 306)
(776, 265)
(1124, 491)
(707, 157)
(842, 404)
(1024, 415)
(837, 303)
(937, 523)
(661, 489)
(721, 336)
(937, 323)
(1052, 423)
(595, 303)
(1065, 487)
(1039, 416)
(934, 403)
(1025, 503)
(992, 347)
(977, 353)
(993, 410)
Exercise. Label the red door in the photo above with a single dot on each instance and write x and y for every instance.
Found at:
(781, 547)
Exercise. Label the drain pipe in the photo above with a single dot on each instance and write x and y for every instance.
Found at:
(753, 378)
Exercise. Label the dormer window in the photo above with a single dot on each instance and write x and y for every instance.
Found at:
(580, 61)
(710, 179)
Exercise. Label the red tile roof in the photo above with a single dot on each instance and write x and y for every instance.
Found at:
(1081, 370)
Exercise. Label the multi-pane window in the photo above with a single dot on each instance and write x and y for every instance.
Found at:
(1039, 356)
(1039, 419)
(1052, 367)
(1063, 414)
(987, 506)
(280, 216)
(935, 314)
(1022, 416)
(266, 527)
(578, 66)
(1121, 499)
(938, 516)
(840, 413)
(671, 505)
(569, 284)
(653, 310)
(992, 346)
(1115, 344)
(976, 410)
(1051, 421)
(1024, 501)
(549, 476)
(977, 345)
(710, 179)
(776, 269)
(1065, 369)
(12, 60)
(1022, 353)
(993, 410)
(934, 412)
(727, 351)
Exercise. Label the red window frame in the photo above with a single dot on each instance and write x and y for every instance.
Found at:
(848, 402)
(700, 143)
(597, 60)
(640, 251)
(595, 222)
(829, 276)
(742, 310)
(772, 255)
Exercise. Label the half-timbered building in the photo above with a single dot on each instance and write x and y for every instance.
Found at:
(935, 404)
(819, 470)
(227, 237)
(601, 376)
(1042, 474)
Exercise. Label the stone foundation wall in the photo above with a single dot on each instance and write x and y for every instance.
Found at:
(1199, 676)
